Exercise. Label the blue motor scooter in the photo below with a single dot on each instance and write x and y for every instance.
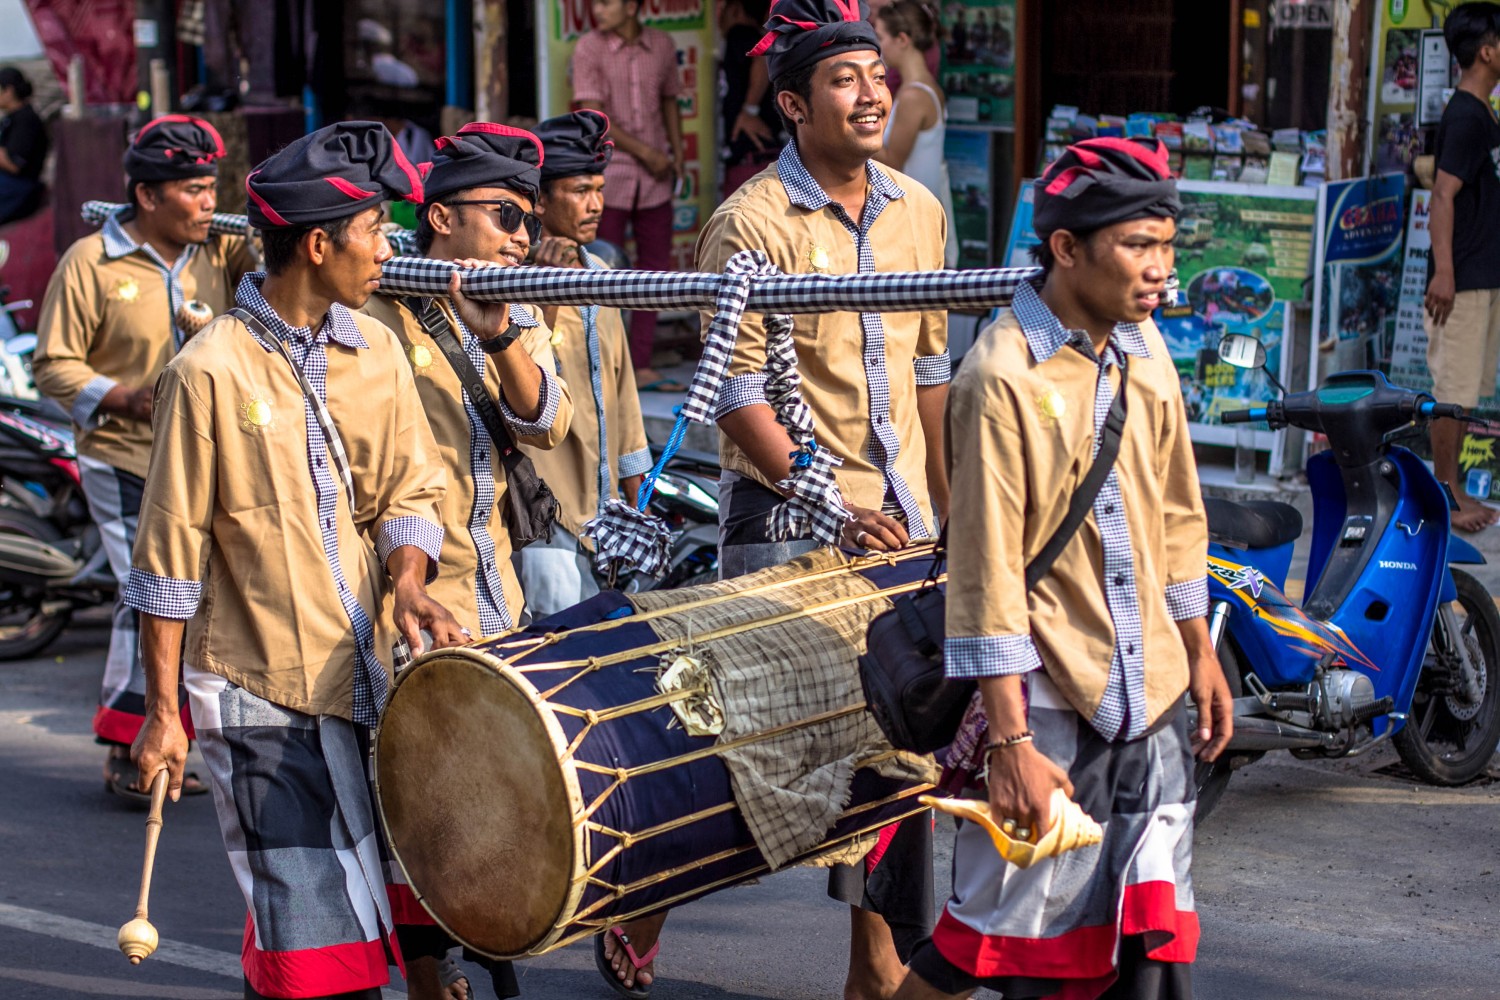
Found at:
(1391, 642)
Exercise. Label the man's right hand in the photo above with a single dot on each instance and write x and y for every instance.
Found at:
(161, 743)
(870, 529)
(138, 403)
(1022, 780)
(1440, 295)
(657, 163)
(556, 251)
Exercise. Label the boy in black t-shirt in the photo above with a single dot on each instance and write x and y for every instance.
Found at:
(1463, 287)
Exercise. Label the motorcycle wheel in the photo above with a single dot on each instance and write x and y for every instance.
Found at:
(1212, 777)
(1446, 741)
(25, 628)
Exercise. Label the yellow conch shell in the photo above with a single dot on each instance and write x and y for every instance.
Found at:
(1072, 828)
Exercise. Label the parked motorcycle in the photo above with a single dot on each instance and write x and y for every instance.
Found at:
(1391, 641)
(52, 561)
(687, 498)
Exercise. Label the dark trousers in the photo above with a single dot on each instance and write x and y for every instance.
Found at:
(653, 252)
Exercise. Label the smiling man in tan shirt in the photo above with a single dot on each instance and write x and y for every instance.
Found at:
(288, 436)
(112, 318)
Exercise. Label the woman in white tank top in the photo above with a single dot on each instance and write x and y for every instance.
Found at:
(917, 126)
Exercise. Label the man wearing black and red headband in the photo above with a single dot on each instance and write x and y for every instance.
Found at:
(112, 318)
(875, 383)
(1081, 679)
(289, 434)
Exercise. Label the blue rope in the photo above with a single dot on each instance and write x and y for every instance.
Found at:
(674, 442)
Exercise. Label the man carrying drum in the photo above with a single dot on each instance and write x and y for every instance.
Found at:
(605, 454)
(288, 435)
(478, 197)
(115, 312)
(876, 384)
(1081, 681)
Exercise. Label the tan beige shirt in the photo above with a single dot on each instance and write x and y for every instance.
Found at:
(476, 581)
(860, 372)
(604, 381)
(1020, 439)
(231, 537)
(107, 319)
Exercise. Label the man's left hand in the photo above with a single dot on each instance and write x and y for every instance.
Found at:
(556, 251)
(1210, 692)
(415, 611)
(488, 320)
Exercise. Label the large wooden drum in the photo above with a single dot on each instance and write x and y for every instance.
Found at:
(541, 786)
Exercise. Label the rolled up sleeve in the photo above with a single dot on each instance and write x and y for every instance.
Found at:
(1184, 524)
(988, 620)
(550, 427)
(934, 369)
(71, 316)
(635, 450)
(174, 536)
(401, 497)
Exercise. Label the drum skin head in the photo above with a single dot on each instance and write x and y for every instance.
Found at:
(475, 803)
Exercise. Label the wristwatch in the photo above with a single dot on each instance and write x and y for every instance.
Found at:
(750, 109)
(497, 344)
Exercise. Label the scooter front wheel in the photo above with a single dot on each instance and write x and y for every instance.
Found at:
(1448, 738)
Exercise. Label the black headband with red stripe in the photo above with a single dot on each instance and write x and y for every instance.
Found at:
(802, 32)
(335, 172)
(174, 148)
(484, 154)
(576, 144)
(1099, 182)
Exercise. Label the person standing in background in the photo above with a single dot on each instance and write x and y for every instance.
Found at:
(629, 72)
(747, 107)
(23, 147)
(918, 124)
(1463, 284)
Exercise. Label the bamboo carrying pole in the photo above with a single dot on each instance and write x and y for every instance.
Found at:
(137, 938)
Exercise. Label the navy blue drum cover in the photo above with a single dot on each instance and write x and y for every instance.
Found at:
(498, 775)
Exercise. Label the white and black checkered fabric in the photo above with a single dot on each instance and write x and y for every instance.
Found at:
(624, 536)
(223, 224)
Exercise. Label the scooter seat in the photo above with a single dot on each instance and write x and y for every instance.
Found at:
(1252, 524)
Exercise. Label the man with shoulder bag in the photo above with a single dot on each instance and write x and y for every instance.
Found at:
(1081, 671)
(487, 379)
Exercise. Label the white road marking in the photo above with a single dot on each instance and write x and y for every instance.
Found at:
(188, 956)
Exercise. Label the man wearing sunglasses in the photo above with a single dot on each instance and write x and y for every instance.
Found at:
(477, 209)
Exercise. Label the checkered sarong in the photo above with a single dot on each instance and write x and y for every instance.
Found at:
(298, 817)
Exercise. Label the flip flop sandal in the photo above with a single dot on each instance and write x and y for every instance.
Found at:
(450, 972)
(639, 961)
(119, 779)
(197, 788)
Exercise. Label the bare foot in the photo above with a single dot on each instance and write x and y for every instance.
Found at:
(1473, 516)
(641, 935)
(875, 970)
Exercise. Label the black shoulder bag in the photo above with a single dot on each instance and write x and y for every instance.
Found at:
(917, 706)
(530, 510)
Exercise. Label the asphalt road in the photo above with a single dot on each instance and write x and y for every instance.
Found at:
(1314, 880)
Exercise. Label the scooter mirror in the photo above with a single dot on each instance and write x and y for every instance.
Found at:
(1242, 351)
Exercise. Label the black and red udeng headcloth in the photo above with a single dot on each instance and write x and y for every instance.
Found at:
(483, 154)
(335, 172)
(576, 144)
(802, 32)
(174, 148)
(1099, 182)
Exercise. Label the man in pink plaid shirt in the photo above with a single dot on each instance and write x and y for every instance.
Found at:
(629, 72)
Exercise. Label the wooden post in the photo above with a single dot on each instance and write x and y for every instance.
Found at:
(491, 72)
(1348, 87)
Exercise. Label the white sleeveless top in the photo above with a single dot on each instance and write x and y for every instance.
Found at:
(927, 165)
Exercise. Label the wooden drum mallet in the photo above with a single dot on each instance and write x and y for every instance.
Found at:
(137, 938)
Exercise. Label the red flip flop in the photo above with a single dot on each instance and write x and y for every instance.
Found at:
(639, 961)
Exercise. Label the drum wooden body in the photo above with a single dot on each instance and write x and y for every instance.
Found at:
(537, 788)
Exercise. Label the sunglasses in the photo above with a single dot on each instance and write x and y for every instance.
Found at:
(512, 216)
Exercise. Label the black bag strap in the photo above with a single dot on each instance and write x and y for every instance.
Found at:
(1083, 497)
(439, 325)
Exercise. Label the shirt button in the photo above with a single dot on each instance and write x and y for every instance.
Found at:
(328, 522)
(1130, 649)
(1109, 508)
(1119, 581)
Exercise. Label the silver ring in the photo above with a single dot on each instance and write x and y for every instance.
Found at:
(466, 633)
(1023, 833)
(859, 539)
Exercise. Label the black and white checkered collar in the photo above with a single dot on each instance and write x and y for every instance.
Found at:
(119, 243)
(1046, 335)
(807, 193)
(339, 327)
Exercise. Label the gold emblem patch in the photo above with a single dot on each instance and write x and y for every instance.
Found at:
(421, 357)
(817, 259)
(557, 338)
(127, 290)
(1052, 405)
(256, 414)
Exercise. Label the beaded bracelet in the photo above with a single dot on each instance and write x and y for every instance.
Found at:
(1009, 741)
